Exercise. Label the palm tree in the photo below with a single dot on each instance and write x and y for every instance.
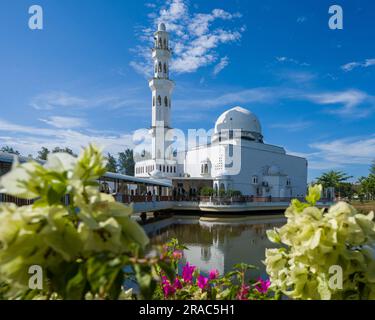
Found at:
(333, 179)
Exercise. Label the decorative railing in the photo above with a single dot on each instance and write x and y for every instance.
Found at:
(127, 199)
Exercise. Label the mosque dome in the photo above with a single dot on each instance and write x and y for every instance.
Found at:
(161, 27)
(240, 118)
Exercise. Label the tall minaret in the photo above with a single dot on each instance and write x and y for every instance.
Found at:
(161, 87)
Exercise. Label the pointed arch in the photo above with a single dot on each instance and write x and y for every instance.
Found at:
(159, 100)
(166, 101)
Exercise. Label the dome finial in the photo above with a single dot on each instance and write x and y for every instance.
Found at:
(161, 27)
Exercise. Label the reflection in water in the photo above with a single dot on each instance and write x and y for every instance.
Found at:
(220, 246)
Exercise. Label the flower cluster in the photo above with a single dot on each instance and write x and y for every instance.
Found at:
(84, 241)
(190, 283)
(313, 241)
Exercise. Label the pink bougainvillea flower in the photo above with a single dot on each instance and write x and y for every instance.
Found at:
(263, 285)
(243, 293)
(177, 254)
(214, 274)
(177, 284)
(187, 272)
(168, 289)
(202, 282)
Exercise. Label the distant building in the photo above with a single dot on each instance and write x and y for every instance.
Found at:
(236, 158)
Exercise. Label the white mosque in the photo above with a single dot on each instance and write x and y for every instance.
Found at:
(236, 157)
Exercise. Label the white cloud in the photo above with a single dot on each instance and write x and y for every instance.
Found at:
(221, 65)
(339, 153)
(283, 59)
(299, 77)
(353, 65)
(357, 150)
(292, 126)
(350, 104)
(29, 139)
(213, 100)
(193, 39)
(65, 122)
(113, 98)
(350, 100)
(54, 99)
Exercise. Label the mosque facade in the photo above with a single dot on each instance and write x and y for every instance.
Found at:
(236, 158)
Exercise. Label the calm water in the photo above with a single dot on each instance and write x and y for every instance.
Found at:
(221, 245)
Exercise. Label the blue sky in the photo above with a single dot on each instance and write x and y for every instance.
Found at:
(84, 76)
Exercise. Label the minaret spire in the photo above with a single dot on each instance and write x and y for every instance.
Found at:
(161, 87)
(162, 164)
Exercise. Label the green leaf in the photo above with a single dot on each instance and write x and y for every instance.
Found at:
(314, 194)
(75, 287)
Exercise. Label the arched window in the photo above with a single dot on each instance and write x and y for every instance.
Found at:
(166, 101)
(159, 100)
(153, 101)
(165, 68)
(160, 68)
(206, 168)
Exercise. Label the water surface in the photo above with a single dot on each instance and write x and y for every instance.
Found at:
(221, 245)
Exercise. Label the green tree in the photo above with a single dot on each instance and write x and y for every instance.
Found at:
(367, 187)
(207, 192)
(372, 168)
(111, 165)
(43, 153)
(126, 162)
(334, 179)
(66, 150)
(9, 149)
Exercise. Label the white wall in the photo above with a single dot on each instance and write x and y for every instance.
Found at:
(255, 159)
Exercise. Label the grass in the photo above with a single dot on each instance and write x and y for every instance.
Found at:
(365, 207)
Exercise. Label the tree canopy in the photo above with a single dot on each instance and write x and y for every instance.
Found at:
(126, 162)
